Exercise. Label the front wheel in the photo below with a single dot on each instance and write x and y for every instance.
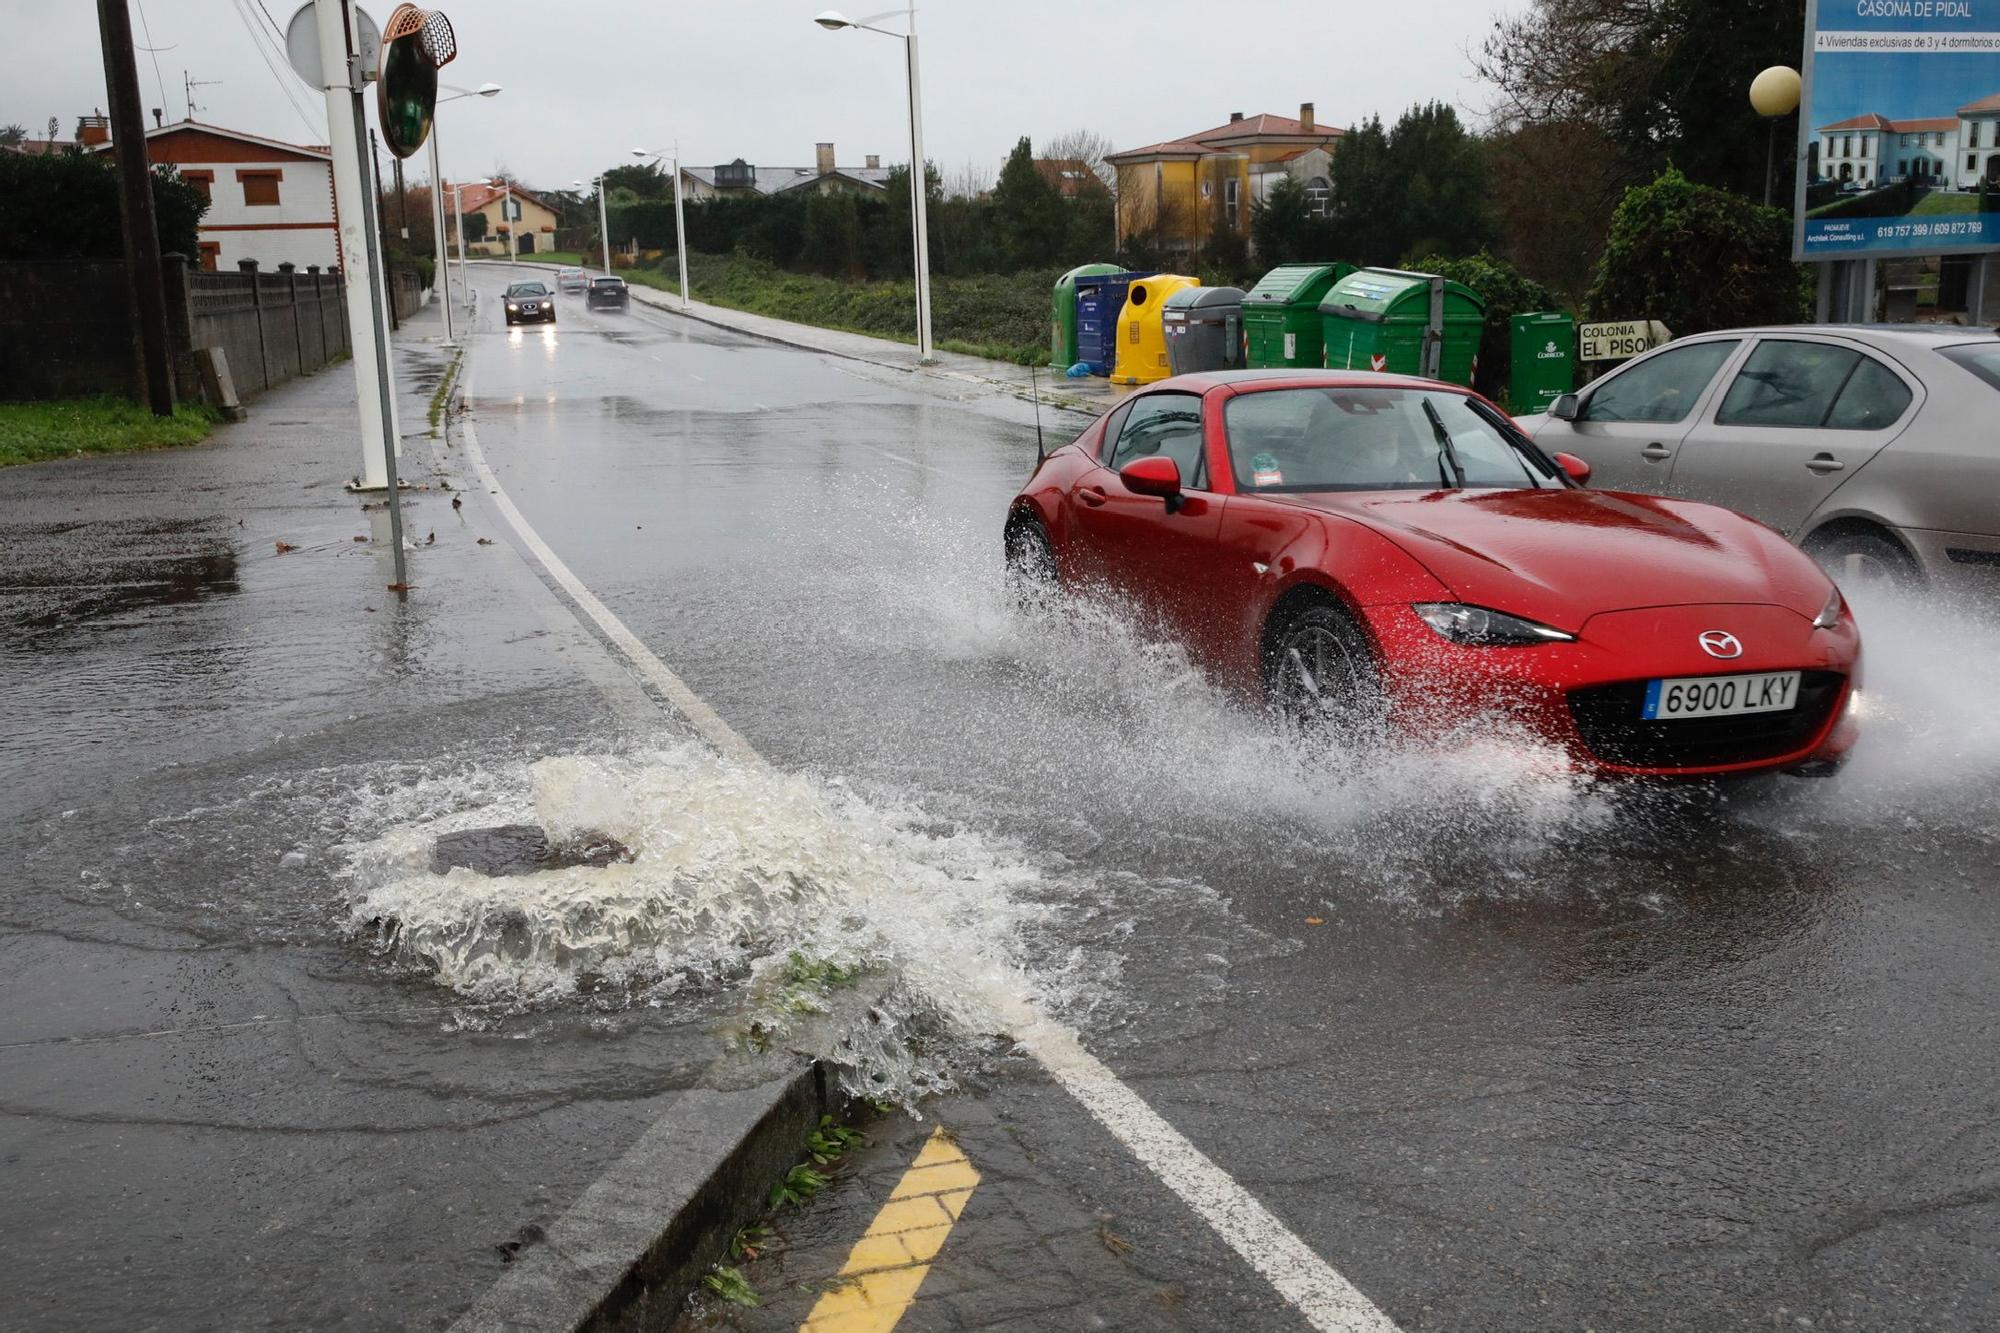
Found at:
(1320, 673)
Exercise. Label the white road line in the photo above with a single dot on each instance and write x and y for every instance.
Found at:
(1327, 1300)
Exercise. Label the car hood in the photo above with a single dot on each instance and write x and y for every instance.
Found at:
(1562, 556)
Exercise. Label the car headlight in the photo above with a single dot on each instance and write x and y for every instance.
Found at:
(1477, 627)
(1829, 615)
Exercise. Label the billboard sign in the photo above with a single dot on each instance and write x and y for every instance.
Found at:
(1899, 129)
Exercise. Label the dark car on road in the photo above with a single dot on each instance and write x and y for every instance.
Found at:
(530, 303)
(608, 293)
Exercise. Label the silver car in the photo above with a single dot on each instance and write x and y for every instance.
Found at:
(1874, 447)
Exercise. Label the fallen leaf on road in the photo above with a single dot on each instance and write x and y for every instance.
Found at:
(398, 587)
(285, 546)
(485, 541)
(369, 609)
(361, 539)
(457, 503)
(1314, 921)
(431, 540)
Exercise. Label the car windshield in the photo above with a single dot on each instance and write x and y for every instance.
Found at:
(1372, 439)
(527, 289)
(1982, 359)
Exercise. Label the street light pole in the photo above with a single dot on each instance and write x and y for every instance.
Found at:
(437, 210)
(603, 228)
(680, 217)
(833, 21)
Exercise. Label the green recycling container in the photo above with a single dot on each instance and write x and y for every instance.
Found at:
(1383, 319)
(1062, 313)
(1281, 320)
(1542, 361)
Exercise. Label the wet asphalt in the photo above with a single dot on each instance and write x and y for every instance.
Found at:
(1507, 1050)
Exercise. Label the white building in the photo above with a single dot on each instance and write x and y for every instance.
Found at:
(267, 200)
(1946, 152)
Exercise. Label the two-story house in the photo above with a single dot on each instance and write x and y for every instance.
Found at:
(531, 222)
(1182, 193)
(268, 200)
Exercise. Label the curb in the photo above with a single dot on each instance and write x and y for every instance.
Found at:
(633, 1247)
(658, 301)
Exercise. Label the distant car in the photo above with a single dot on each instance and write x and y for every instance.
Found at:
(530, 303)
(571, 280)
(608, 293)
(1870, 446)
(1362, 547)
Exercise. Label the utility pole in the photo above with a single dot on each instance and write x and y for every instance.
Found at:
(144, 272)
(382, 226)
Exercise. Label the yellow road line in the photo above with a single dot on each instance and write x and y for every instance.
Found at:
(890, 1261)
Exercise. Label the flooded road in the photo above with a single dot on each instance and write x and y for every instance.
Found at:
(1505, 1047)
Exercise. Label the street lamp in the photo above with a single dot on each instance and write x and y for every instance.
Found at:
(603, 225)
(680, 218)
(437, 208)
(1773, 94)
(833, 21)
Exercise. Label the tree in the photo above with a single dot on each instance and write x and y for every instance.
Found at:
(1739, 252)
(1666, 80)
(833, 236)
(1366, 199)
(1085, 146)
(641, 180)
(1029, 211)
(1553, 195)
(475, 228)
(12, 135)
(1438, 173)
(65, 206)
(1284, 229)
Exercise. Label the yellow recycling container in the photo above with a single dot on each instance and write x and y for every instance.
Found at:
(1142, 337)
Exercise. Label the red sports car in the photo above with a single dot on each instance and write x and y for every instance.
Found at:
(1375, 546)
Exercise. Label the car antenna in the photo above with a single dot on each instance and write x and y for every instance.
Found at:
(1035, 392)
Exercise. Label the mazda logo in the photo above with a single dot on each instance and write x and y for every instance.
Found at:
(1720, 643)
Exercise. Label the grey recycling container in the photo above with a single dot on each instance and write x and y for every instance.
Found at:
(1204, 328)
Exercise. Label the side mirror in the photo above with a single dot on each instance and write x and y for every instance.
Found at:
(1564, 408)
(1156, 474)
(1578, 470)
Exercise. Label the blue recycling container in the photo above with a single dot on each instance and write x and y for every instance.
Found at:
(1099, 298)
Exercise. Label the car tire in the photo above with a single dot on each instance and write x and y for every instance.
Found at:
(1031, 563)
(1320, 674)
(1863, 560)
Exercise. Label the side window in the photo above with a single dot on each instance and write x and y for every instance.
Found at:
(1164, 423)
(1661, 388)
(1874, 399)
(1787, 384)
(1108, 441)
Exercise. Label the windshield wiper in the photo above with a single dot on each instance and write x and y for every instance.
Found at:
(1447, 452)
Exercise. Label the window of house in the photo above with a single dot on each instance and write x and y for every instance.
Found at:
(260, 188)
(1937, 140)
(211, 254)
(1230, 199)
(1972, 134)
(1319, 195)
(201, 180)
(1971, 162)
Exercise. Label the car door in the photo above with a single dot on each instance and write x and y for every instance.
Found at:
(1630, 424)
(1140, 547)
(1802, 413)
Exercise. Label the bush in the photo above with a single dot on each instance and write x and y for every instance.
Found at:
(65, 206)
(1507, 293)
(1697, 258)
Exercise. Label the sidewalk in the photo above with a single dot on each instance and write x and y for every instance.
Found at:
(1089, 397)
(221, 1105)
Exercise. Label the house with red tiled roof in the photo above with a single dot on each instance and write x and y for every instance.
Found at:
(1182, 193)
(1943, 152)
(518, 213)
(268, 200)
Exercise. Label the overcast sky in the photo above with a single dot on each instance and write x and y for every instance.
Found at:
(588, 80)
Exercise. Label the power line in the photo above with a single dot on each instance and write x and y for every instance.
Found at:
(259, 40)
(152, 51)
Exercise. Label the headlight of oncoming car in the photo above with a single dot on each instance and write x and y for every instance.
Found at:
(1477, 627)
(1829, 615)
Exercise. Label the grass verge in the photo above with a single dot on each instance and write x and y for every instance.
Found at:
(37, 432)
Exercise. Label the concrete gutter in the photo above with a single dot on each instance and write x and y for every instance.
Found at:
(635, 1244)
(1057, 392)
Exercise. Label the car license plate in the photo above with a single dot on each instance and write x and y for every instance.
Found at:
(1720, 696)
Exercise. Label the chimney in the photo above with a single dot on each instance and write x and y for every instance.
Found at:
(1306, 117)
(823, 153)
(874, 162)
(1235, 116)
(93, 130)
